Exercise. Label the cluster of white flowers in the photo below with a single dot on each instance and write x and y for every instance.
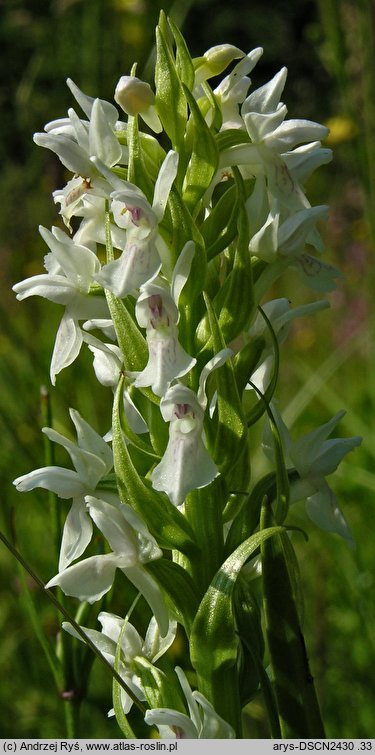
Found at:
(101, 208)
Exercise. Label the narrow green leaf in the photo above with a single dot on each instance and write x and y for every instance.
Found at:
(234, 303)
(246, 360)
(203, 510)
(170, 101)
(184, 63)
(211, 102)
(214, 641)
(258, 409)
(231, 430)
(220, 227)
(204, 156)
(247, 519)
(185, 229)
(160, 690)
(179, 589)
(137, 173)
(282, 479)
(249, 630)
(231, 137)
(298, 708)
(129, 338)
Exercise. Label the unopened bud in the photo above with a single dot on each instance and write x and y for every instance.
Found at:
(133, 95)
(215, 61)
(136, 96)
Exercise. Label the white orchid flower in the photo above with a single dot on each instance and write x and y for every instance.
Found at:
(157, 311)
(132, 546)
(202, 722)
(186, 464)
(264, 115)
(315, 456)
(233, 89)
(92, 459)
(75, 140)
(71, 270)
(290, 237)
(133, 646)
(140, 260)
(280, 157)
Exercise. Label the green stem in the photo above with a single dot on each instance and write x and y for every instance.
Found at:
(203, 510)
(67, 683)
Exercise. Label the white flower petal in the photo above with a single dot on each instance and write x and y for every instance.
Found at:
(64, 482)
(87, 580)
(331, 454)
(214, 727)
(266, 98)
(213, 364)
(182, 269)
(167, 361)
(77, 533)
(318, 275)
(164, 181)
(55, 288)
(295, 131)
(103, 142)
(150, 590)
(87, 103)
(120, 536)
(306, 449)
(69, 152)
(324, 511)
(154, 645)
(138, 263)
(67, 345)
(90, 467)
(174, 720)
(185, 466)
(102, 642)
(91, 441)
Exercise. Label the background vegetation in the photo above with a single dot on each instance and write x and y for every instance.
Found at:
(328, 362)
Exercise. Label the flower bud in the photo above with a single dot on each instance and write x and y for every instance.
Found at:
(215, 61)
(133, 95)
(136, 96)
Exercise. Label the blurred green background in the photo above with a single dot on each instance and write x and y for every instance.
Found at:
(327, 364)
